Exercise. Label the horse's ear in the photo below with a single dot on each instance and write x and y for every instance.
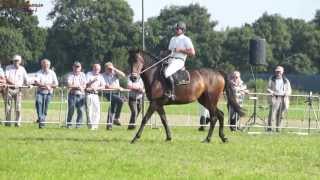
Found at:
(133, 50)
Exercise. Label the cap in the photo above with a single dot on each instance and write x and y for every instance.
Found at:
(77, 63)
(108, 65)
(16, 58)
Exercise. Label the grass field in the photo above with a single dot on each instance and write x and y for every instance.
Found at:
(58, 153)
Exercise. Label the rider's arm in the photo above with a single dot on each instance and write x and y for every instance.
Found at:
(188, 51)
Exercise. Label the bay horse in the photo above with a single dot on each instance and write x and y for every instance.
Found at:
(205, 85)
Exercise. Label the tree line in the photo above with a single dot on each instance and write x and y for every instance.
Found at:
(100, 31)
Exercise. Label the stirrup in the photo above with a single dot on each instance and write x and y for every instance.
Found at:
(170, 95)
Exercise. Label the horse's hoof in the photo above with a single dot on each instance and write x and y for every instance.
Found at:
(169, 139)
(225, 140)
(206, 140)
(134, 140)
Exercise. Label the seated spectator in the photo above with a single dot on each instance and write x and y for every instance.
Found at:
(135, 100)
(112, 82)
(76, 83)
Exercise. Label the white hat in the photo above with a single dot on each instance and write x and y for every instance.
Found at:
(16, 58)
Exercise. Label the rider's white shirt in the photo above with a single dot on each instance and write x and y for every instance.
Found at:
(180, 41)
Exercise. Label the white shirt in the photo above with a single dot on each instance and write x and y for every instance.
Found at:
(111, 80)
(1, 72)
(99, 82)
(138, 84)
(46, 78)
(279, 87)
(180, 41)
(78, 80)
(18, 76)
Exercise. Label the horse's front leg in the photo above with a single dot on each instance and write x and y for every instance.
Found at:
(164, 121)
(145, 119)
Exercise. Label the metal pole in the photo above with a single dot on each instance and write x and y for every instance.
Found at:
(143, 41)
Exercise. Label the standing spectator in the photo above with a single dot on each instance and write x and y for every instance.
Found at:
(2, 76)
(239, 89)
(16, 77)
(76, 82)
(2, 84)
(95, 82)
(2, 81)
(279, 87)
(135, 100)
(112, 82)
(46, 80)
(204, 117)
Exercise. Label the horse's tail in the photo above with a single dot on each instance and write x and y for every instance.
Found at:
(231, 97)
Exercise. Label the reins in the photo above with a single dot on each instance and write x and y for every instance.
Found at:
(155, 64)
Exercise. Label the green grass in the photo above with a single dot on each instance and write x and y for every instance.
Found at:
(57, 153)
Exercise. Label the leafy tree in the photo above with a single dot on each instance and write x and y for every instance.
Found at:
(316, 19)
(299, 64)
(90, 31)
(305, 38)
(236, 47)
(274, 29)
(12, 42)
(25, 33)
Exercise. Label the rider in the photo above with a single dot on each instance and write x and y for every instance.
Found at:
(181, 46)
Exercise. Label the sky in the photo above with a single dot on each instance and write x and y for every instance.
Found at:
(228, 13)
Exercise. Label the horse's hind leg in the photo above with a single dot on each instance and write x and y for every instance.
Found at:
(213, 121)
(220, 116)
(164, 121)
(145, 119)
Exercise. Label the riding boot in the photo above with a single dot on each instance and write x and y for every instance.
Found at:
(170, 82)
(202, 123)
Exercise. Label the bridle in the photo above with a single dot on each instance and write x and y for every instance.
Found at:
(155, 64)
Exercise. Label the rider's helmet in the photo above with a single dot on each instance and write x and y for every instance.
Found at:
(181, 25)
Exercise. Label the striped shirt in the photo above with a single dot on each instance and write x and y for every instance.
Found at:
(77, 80)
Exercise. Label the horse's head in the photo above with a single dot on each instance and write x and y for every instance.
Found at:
(136, 63)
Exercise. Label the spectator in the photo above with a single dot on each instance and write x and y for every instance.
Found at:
(46, 80)
(279, 87)
(2, 77)
(16, 77)
(76, 82)
(95, 82)
(2, 84)
(204, 117)
(112, 82)
(2, 81)
(135, 100)
(239, 89)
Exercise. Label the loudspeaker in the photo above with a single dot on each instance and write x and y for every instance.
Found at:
(257, 51)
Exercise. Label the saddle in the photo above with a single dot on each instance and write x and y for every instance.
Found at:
(181, 77)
